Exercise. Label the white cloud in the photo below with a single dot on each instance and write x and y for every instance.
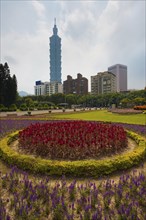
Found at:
(31, 54)
(39, 8)
(95, 35)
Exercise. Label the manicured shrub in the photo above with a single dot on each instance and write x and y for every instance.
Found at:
(23, 107)
(45, 107)
(79, 168)
(140, 107)
(3, 108)
(40, 107)
(13, 107)
(31, 107)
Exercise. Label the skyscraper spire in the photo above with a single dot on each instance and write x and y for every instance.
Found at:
(55, 30)
(55, 56)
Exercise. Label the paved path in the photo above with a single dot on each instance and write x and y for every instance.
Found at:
(36, 112)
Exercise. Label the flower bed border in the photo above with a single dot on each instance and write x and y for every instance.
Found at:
(125, 111)
(84, 168)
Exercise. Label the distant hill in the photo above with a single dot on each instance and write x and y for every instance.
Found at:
(23, 93)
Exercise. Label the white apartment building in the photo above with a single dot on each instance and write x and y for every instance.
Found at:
(39, 88)
(47, 88)
(103, 82)
(121, 75)
(53, 88)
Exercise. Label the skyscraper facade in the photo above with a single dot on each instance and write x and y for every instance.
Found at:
(55, 56)
(121, 75)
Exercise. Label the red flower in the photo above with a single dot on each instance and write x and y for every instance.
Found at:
(72, 139)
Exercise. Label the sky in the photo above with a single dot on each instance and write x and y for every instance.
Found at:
(94, 35)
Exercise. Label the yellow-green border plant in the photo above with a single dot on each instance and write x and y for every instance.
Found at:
(83, 168)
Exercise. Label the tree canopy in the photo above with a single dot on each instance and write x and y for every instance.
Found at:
(8, 86)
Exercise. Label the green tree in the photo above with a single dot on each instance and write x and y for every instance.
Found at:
(2, 108)
(40, 107)
(45, 107)
(13, 107)
(125, 102)
(71, 99)
(23, 107)
(139, 101)
(8, 86)
(31, 107)
(57, 98)
(28, 102)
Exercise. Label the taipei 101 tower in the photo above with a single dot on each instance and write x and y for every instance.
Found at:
(55, 56)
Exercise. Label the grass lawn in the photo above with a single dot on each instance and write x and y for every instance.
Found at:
(104, 115)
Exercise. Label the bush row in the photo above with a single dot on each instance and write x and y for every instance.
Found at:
(12, 108)
(140, 107)
(83, 168)
(24, 107)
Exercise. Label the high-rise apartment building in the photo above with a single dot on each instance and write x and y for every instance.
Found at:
(55, 56)
(75, 86)
(39, 88)
(104, 82)
(121, 75)
(47, 88)
(53, 88)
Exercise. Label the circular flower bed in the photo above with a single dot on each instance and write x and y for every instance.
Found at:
(126, 111)
(72, 140)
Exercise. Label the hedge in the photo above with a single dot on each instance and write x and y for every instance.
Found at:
(84, 168)
(140, 107)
